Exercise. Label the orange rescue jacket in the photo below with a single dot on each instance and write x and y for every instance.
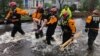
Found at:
(36, 16)
(88, 19)
(71, 24)
(19, 11)
(53, 19)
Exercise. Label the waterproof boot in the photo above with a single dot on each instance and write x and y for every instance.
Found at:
(90, 44)
(36, 35)
(52, 39)
(41, 33)
(48, 40)
(90, 48)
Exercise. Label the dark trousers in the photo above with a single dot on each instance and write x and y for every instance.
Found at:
(40, 33)
(66, 33)
(92, 34)
(66, 36)
(50, 32)
(17, 28)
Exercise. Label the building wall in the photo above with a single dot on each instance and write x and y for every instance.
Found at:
(28, 3)
(32, 3)
(68, 2)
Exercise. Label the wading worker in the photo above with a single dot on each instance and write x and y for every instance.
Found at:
(92, 27)
(14, 16)
(68, 28)
(50, 20)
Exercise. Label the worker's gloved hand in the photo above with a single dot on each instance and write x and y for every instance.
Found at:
(72, 35)
(40, 30)
(6, 21)
(86, 30)
(37, 31)
(30, 15)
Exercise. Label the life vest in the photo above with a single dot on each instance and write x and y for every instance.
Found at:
(21, 11)
(88, 19)
(71, 24)
(18, 10)
(53, 19)
(92, 22)
(37, 15)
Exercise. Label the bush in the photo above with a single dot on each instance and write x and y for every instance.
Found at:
(25, 18)
(47, 5)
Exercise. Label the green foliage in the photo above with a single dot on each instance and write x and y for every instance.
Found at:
(90, 4)
(98, 7)
(73, 7)
(26, 17)
(4, 6)
(47, 5)
(20, 3)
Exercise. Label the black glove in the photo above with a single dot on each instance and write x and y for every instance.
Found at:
(30, 15)
(5, 21)
(86, 30)
(72, 35)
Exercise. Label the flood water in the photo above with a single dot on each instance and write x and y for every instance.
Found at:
(28, 45)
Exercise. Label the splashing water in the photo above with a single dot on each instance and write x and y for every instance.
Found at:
(28, 45)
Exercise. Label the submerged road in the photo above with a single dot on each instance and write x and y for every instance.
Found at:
(29, 46)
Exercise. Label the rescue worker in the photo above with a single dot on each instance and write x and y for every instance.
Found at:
(50, 20)
(92, 27)
(68, 28)
(14, 16)
(37, 19)
(67, 10)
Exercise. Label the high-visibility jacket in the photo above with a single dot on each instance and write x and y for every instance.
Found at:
(88, 19)
(68, 11)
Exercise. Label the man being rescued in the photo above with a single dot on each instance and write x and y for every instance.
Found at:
(37, 19)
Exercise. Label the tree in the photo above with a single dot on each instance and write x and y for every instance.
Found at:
(4, 5)
(61, 3)
(98, 6)
(19, 2)
(90, 5)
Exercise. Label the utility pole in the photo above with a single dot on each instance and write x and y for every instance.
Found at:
(43, 4)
